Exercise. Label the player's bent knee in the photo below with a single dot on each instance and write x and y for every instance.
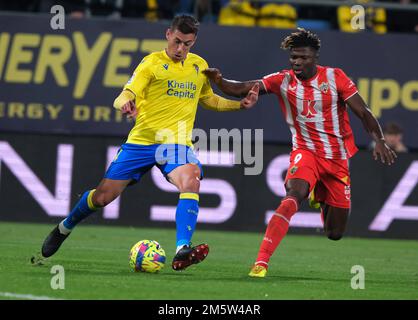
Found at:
(190, 184)
(299, 195)
(102, 199)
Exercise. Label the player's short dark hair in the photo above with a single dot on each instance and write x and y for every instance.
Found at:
(392, 128)
(301, 38)
(185, 23)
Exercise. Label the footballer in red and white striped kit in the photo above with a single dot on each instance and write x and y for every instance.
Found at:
(314, 101)
(315, 110)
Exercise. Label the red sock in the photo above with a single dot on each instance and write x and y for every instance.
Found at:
(277, 229)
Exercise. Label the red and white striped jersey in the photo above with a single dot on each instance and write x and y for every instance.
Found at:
(315, 110)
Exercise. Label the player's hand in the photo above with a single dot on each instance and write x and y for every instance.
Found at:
(384, 152)
(129, 109)
(213, 74)
(252, 97)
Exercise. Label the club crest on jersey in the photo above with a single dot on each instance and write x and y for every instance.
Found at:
(165, 66)
(196, 67)
(324, 86)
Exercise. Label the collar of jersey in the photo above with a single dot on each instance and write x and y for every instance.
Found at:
(318, 69)
(171, 60)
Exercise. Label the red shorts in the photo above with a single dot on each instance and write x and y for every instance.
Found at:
(330, 177)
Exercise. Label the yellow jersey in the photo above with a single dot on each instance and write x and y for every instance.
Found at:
(167, 94)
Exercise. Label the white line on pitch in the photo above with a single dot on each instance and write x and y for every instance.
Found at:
(25, 296)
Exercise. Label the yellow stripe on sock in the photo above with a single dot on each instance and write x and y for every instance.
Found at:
(189, 195)
(90, 201)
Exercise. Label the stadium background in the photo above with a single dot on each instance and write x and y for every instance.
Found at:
(57, 89)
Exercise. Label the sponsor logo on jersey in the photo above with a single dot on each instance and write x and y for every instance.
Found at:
(309, 113)
(181, 89)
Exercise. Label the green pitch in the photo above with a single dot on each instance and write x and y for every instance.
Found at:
(95, 261)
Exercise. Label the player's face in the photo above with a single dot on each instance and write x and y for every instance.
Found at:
(303, 62)
(179, 44)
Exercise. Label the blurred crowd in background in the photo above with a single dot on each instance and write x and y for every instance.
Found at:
(393, 134)
(273, 14)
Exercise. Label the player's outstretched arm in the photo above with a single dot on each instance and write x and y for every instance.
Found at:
(372, 126)
(125, 102)
(231, 87)
(218, 103)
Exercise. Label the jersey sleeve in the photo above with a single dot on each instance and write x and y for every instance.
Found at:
(345, 87)
(206, 88)
(141, 78)
(272, 82)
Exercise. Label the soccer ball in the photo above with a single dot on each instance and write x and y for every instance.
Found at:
(147, 256)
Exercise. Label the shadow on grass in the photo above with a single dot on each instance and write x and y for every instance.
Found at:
(294, 278)
(83, 268)
(82, 271)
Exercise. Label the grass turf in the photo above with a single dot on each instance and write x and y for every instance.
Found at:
(95, 259)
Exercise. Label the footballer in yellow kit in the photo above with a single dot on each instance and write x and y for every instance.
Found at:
(166, 94)
(162, 95)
